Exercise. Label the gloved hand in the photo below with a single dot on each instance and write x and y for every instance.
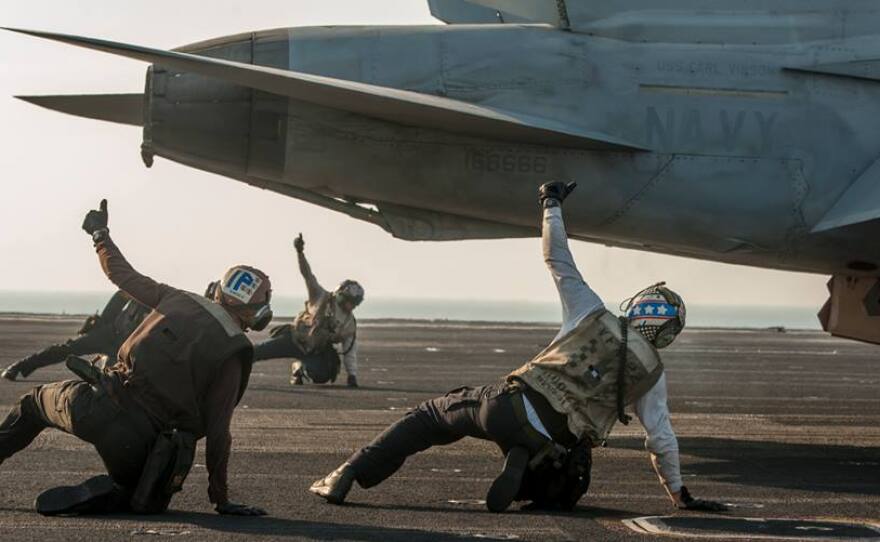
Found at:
(233, 509)
(686, 502)
(299, 244)
(554, 193)
(96, 221)
(90, 324)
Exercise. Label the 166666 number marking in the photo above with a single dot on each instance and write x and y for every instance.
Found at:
(505, 162)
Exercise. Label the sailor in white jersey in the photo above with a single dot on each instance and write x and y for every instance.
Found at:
(559, 405)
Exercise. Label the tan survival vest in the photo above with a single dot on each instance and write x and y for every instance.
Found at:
(578, 374)
(322, 324)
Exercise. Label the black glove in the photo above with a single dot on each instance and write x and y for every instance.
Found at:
(699, 505)
(232, 509)
(553, 193)
(299, 244)
(96, 221)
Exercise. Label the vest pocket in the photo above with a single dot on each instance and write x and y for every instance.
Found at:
(80, 402)
(167, 340)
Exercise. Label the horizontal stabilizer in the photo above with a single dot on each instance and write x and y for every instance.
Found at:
(860, 202)
(119, 108)
(389, 104)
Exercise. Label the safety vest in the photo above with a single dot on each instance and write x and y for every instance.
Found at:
(131, 316)
(578, 374)
(322, 324)
(170, 361)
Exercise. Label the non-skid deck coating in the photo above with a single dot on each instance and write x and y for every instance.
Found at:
(779, 425)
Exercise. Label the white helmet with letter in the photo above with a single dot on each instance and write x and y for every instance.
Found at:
(245, 289)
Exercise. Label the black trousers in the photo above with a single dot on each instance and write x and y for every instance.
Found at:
(316, 367)
(100, 340)
(493, 413)
(123, 437)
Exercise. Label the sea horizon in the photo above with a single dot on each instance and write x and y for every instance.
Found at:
(740, 316)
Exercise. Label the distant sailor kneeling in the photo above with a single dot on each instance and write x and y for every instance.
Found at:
(548, 415)
(325, 330)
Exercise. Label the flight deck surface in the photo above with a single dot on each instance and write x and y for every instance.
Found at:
(780, 425)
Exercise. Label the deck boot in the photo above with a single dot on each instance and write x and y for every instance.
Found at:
(506, 486)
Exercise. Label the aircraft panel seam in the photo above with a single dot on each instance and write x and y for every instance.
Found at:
(632, 201)
(712, 91)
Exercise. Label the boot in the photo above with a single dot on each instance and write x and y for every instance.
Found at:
(296, 374)
(12, 372)
(336, 485)
(23, 368)
(84, 369)
(94, 496)
(506, 487)
(352, 381)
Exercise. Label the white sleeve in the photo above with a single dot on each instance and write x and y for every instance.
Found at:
(660, 440)
(578, 299)
(349, 359)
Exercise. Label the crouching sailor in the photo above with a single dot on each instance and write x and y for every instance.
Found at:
(179, 377)
(548, 415)
(325, 330)
(100, 334)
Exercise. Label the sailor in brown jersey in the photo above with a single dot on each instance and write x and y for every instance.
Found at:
(184, 369)
(546, 416)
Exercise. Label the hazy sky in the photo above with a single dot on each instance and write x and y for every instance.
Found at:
(186, 227)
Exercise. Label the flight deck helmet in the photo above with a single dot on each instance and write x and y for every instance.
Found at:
(350, 292)
(246, 291)
(657, 313)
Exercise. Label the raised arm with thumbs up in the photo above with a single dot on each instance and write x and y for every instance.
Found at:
(95, 222)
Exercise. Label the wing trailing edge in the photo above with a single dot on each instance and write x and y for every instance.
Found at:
(118, 108)
(860, 202)
(384, 103)
(868, 70)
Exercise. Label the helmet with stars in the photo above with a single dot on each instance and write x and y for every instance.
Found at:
(657, 313)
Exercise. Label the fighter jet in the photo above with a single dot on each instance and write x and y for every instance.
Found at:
(737, 131)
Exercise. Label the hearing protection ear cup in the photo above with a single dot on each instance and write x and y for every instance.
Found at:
(211, 291)
(262, 318)
(667, 334)
(676, 301)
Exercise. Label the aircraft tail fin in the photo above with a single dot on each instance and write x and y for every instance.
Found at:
(118, 108)
(383, 103)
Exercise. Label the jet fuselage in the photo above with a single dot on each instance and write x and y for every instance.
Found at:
(744, 156)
